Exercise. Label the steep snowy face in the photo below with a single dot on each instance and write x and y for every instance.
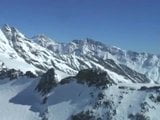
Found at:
(47, 42)
(86, 47)
(148, 64)
(145, 63)
(43, 40)
(8, 56)
(41, 53)
(37, 57)
(11, 33)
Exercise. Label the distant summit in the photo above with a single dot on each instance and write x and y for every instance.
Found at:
(40, 53)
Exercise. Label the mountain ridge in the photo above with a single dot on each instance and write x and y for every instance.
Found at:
(80, 80)
(81, 97)
(42, 52)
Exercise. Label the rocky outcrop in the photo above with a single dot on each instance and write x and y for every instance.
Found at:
(10, 73)
(30, 74)
(47, 82)
(94, 77)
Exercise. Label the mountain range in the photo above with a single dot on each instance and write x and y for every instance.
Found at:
(79, 80)
(40, 53)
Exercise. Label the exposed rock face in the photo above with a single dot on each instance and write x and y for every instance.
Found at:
(10, 73)
(138, 116)
(30, 74)
(94, 77)
(135, 76)
(47, 82)
(84, 116)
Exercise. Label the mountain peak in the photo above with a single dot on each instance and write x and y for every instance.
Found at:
(41, 37)
(88, 41)
(9, 28)
(10, 31)
(6, 27)
(43, 40)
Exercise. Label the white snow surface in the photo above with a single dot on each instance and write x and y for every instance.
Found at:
(20, 101)
(12, 108)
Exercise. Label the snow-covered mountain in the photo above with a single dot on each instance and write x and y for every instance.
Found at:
(82, 100)
(47, 42)
(90, 95)
(36, 55)
(20, 52)
(17, 47)
(42, 79)
(145, 63)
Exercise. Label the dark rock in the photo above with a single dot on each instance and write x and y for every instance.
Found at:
(100, 96)
(30, 74)
(138, 116)
(67, 80)
(134, 75)
(10, 73)
(84, 116)
(158, 98)
(47, 82)
(94, 77)
(156, 88)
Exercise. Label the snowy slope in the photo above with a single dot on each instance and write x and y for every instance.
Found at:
(118, 102)
(47, 42)
(29, 56)
(74, 97)
(9, 56)
(9, 110)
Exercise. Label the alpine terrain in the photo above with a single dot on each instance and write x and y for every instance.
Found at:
(43, 79)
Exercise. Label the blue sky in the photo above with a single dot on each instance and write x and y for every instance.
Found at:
(129, 24)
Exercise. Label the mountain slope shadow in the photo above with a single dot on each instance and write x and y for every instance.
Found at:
(28, 97)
